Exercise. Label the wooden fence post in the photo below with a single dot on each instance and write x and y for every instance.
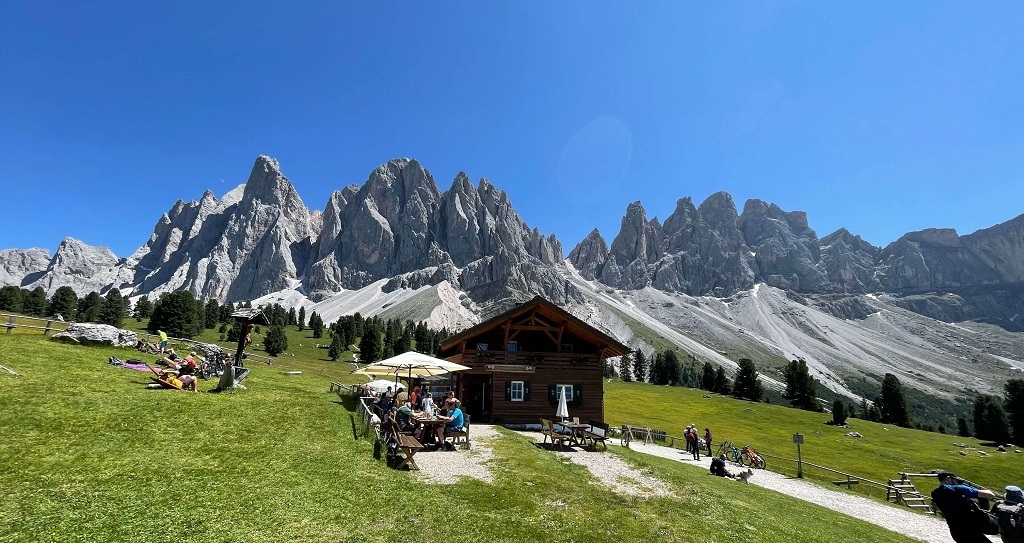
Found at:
(10, 324)
(49, 323)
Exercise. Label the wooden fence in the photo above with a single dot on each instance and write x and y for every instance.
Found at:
(46, 325)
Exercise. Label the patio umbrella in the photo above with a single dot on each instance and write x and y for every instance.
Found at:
(422, 364)
(381, 385)
(563, 410)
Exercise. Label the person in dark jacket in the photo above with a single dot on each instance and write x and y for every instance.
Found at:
(953, 500)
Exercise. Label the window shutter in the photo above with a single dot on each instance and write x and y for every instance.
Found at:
(526, 391)
(508, 391)
(553, 393)
(577, 394)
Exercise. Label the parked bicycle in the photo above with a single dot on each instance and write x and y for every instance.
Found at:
(730, 451)
(213, 367)
(750, 457)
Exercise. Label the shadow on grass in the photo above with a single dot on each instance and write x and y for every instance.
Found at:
(557, 448)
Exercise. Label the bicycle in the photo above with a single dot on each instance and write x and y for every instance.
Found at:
(214, 366)
(626, 437)
(751, 458)
(729, 450)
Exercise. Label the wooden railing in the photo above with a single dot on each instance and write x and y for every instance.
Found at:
(896, 492)
(529, 358)
(11, 322)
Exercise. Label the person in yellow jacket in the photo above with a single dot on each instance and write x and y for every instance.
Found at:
(163, 341)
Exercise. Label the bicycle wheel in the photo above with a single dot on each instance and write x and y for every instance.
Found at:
(760, 463)
(734, 455)
(624, 439)
(746, 460)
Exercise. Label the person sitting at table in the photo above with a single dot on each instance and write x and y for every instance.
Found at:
(453, 422)
(414, 398)
(385, 401)
(403, 416)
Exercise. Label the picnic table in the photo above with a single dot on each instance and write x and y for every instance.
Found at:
(578, 432)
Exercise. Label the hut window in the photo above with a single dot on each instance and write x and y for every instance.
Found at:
(517, 392)
(566, 348)
(566, 390)
(513, 346)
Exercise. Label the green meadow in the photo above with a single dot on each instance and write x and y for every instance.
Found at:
(89, 453)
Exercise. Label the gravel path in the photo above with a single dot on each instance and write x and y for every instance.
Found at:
(897, 519)
(446, 467)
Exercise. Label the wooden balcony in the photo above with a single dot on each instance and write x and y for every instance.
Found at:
(540, 360)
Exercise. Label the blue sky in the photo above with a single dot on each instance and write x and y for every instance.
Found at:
(883, 117)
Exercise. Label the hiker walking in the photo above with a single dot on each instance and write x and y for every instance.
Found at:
(954, 501)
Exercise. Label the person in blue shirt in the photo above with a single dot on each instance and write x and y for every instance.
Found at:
(953, 500)
(453, 422)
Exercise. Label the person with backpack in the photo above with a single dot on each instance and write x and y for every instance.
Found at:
(954, 500)
(1010, 512)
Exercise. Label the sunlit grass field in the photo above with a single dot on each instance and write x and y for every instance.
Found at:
(882, 452)
(90, 454)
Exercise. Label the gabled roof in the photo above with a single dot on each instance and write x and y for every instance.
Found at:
(542, 307)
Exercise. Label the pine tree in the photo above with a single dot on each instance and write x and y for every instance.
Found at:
(316, 325)
(337, 346)
(90, 308)
(275, 342)
(990, 421)
(962, 429)
(177, 313)
(800, 390)
(893, 404)
(370, 345)
(707, 378)
(34, 302)
(11, 299)
(292, 317)
(626, 367)
(608, 369)
(114, 308)
(673, 369)
(838, 412)
(404, 342)
(64, 302)
(722, 384)
(658, 375)
(747, 385)
(211, 314)
(1014, 403)
(639, 369)
(301, 322)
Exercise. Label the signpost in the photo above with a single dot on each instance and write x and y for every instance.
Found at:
(799, 440)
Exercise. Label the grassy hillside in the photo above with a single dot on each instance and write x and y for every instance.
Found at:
(90, 454)
(881, 453)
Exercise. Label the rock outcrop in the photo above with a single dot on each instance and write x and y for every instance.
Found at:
(97, 334)
(22, 267)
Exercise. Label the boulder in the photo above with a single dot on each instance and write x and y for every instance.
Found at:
(97, 334)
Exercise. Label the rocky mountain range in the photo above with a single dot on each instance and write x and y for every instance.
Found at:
(398, 246)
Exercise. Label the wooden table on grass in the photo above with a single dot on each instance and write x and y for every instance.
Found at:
(578, 429)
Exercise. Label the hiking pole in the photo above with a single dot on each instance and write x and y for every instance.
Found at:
(9, 370)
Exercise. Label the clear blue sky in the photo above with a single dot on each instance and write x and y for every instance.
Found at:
(883, 117)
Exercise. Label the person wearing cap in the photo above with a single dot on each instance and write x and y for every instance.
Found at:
(453, 422)
(953, 500)
(1010, 512)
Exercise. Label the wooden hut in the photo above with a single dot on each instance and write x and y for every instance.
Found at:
(521, 360)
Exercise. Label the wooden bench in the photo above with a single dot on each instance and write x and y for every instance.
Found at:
(548, 429)
(408, 446)
(462, 435)
(598, 432)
